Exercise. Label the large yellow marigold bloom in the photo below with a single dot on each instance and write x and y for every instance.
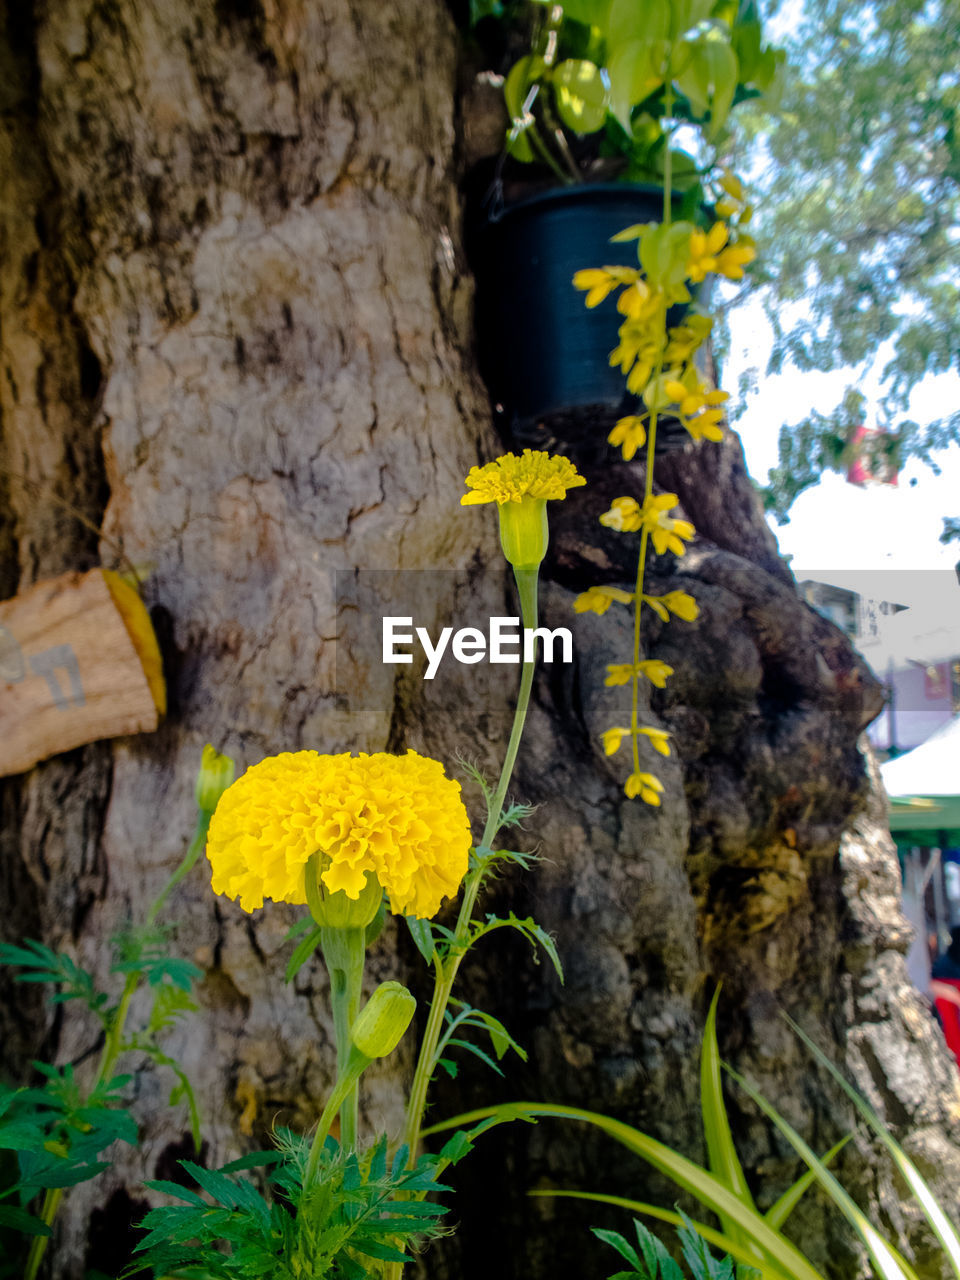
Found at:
(398, 818)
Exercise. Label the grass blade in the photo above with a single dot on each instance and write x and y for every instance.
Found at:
(778, 1213)
(940, 1224)
(888, 1265)
(728, 1244)
(684, 1173)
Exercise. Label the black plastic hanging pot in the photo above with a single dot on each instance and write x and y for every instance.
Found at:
(546, 357)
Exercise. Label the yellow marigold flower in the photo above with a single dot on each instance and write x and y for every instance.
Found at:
(597, 282)
(624, 515)
(675, 390)
(622, 672)
(397, 818)
(659, 739)
(667, 533)
(599, 599)
(511, 479)
(612, 738)
(521, 488)
(630, 434)
(644, 785)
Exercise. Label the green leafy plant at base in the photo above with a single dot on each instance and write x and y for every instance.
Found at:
(356, 1212)
(649, 1260)
(57, 1130)
(751, 1239)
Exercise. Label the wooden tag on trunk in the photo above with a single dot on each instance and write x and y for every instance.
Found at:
(78, 661)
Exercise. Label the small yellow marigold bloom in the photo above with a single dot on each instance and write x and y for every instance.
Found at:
(675, 390)
(511, 479)
(659, 739)
(644, 785)
(635, 300)
(612, 738)
(599, 599)
(706, 425)
(398, 818)
(624, 515)
(629, 434)
(521, 488)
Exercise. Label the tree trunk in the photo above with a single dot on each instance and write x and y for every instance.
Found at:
(236, 339)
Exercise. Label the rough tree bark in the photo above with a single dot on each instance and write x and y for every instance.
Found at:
(236, 337)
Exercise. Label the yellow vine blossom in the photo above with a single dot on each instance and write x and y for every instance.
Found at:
(612, 738)
(629, 434)
(623, 672)
(668, 534)
(698, 407)
(598, 282)
(397, 818)
(644, 785)
(680, 603)
(599, 599)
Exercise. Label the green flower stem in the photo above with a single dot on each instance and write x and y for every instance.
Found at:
(344, 953)
(648, 479)
(113, 1044)
(38, 1245)
(446, 971)
(196, 847)
(345, 1085)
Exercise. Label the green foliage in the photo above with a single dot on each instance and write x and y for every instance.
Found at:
(57, 1133)
(59, 1129)
(608, 68)
(651, 1261)
(465, 1017)
(858, 215)
(354, 1215)
(40, 964)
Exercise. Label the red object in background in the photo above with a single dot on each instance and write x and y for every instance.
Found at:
(936, 681)
(870, 465)
(946, 997)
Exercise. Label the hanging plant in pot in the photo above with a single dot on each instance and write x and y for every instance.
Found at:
(596, 104)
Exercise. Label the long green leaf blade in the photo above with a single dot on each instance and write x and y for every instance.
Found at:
(884, 1259)
(727, 1243)
(684, 1173)
(940, 1224)
(778, 1212)
(722, 1158)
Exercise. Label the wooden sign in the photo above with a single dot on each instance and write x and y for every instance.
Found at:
(78, 661)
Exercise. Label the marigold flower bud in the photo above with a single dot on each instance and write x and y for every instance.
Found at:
(381, 1023)
(337, 910)
(215, 774)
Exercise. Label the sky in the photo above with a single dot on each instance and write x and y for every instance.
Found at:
(835, 524)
